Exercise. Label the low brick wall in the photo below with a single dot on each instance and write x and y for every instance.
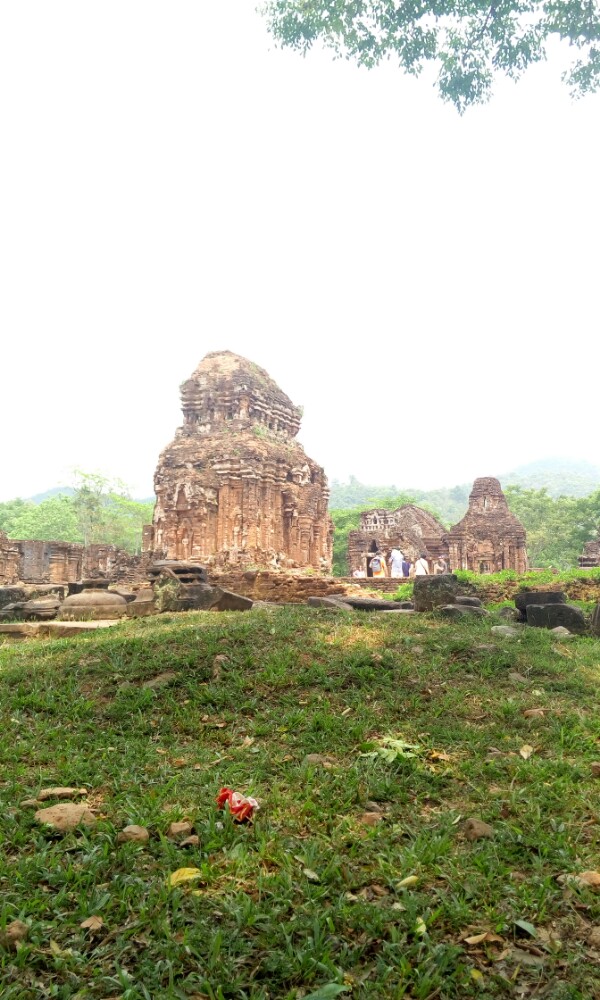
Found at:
(292, 588)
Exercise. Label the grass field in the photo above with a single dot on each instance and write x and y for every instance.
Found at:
(357, 877)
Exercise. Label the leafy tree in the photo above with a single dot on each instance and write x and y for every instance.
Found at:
(469, 41)
(97, 510)
(557, 527)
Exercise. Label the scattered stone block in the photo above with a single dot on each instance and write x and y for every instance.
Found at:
(595, 624)
(468, 601)
(333, 603)
(11, 595)
(432, 592)
(505, 630)
(457, 611)
(551, 615)
(527, 597)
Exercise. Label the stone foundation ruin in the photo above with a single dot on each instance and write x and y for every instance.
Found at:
(235, 488)
(490, 537)
(33, 561)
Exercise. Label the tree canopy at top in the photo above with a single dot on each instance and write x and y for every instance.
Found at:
(470, 41)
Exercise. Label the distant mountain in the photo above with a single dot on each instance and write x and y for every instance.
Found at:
(56, 491)
(560, 477)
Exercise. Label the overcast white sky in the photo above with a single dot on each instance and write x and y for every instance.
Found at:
(425, 286)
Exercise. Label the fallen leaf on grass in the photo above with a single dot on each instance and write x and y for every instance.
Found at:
(14, 934)
(420, 927)
(179, 762)
(526, 751)
(183, 875)
(192, 841)
(477, 976)
(595, 769)
(408, 881)
(532, 713)
(487, 936)
(57, 951)
(562, 651)
(92, 924)
(328, 991)
(311, 876)
(524, 927)
(438, 755)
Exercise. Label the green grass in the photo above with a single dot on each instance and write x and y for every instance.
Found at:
(299, 682)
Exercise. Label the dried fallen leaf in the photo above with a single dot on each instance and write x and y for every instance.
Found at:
(183, 875)
(594, 768)
(532, 713)
(14, 934)
(133, 833)
(65, 817)
(192, 841)
(311, 876)
(526, 751)
(487, 936)
(92, 924)
(408, 881)
(476, 976)
(438, 755)
(179, 762)
(60, 793)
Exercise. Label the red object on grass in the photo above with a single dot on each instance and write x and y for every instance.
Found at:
(241, 807)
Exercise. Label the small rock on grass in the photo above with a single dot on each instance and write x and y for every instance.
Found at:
(371, 818)
(516, 677)
(180, 829)
(60, 793)
(134, 834)
(476, 829)
(161, 680)
(318, 758)
(594, 938)
(65, 817)
(14, 934)
(504, 630)
(595, 768)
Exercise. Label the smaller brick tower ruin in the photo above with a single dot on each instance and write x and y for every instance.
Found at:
(235, 488)
(490, 537)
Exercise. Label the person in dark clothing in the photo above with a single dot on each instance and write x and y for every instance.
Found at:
(406, 566)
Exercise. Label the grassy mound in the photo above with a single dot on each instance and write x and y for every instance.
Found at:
(357, 876)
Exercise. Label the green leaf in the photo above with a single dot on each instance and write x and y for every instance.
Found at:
(526, 927)
(330, 990)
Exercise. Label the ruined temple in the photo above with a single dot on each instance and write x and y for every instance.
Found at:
(235, 487)
(490, 537)
(9, 560)
(409, 528)
(590, 557)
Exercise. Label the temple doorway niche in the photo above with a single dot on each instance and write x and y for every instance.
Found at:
(373, 548)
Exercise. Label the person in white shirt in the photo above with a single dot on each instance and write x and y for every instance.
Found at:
(396, 560)
(421, 566)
